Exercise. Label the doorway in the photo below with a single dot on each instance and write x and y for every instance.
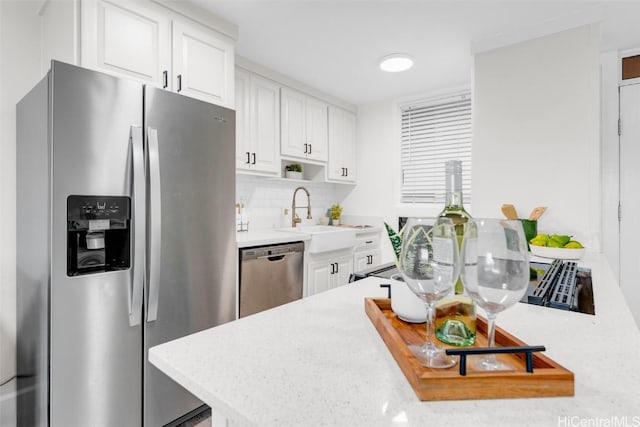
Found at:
(630, 196)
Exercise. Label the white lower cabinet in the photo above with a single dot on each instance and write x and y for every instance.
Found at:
(328, 271)
(366, 259)
(367, 251)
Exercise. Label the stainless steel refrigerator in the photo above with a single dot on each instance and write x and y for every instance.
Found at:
(125, 240)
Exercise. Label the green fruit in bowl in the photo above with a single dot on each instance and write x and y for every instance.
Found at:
(562, 241)
(559, 240)
(573, 244)
(539, 240)
(552, 243)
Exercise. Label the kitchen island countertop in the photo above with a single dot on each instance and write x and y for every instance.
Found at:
(320, 361)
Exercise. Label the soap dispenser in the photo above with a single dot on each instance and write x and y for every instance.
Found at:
(286, 218)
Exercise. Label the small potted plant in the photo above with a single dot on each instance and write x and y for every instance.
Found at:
(293, 170)
(336, 212)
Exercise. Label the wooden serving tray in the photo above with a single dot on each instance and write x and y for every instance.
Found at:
(547, 379)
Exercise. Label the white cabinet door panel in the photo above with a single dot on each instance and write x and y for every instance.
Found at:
(344, 268)
(342, 145)
(318, 274)
(203, 64)
(316, 129)
(328, 272)
(257, 124)
(129, 39)
(266, 124)
(292, 116)
(243, 120)
(365, 260)
(350, 146)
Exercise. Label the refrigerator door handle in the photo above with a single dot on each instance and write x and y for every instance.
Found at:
(155, 225)
(139, 226)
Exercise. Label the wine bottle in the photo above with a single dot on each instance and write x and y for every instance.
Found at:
(456, 315)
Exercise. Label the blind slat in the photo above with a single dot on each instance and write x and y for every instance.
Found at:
(431, 133)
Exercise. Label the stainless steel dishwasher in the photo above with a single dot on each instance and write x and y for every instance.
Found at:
(270, 276)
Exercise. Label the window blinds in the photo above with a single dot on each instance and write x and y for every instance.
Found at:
(432, 133)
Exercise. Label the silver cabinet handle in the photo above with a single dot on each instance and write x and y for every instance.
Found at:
(165, 79)
(179, 82)
(139, 226)
(155, 225)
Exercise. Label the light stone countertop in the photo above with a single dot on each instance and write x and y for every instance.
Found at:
(245, 239)
(272, 236)
(320, 361)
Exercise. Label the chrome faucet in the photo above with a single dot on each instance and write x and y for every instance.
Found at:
(295, 219)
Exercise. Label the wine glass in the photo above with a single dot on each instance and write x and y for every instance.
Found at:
(429, 266)
(494, 271)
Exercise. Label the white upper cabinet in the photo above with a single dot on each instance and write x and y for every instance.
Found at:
(342, 145)
(147, 42)
(304, 126)
(257, 124)
(129, 39)
(203, 64)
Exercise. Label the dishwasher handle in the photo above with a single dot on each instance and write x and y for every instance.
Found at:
(277, 257)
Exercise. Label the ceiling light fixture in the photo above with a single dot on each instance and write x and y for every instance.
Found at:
(396, 62)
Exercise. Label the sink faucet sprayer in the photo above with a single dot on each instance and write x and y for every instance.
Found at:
(295, 219)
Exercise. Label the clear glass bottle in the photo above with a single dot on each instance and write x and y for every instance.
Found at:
(456, 314)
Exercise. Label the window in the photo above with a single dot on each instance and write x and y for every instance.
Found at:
(432, 132)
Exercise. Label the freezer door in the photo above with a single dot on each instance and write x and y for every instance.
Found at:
(95, 355)
(191, 248)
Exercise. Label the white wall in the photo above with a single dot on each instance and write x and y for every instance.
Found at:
(19, 70)
(536, 139)
(536, 132)
(376, 166)
(266, 198)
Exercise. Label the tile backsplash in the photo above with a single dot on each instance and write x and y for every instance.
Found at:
(265, 199)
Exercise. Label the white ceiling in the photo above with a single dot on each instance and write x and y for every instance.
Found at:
(335, 45)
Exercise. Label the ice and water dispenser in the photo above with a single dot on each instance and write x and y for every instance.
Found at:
(98, 234)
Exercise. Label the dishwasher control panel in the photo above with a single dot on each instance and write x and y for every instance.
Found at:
(272, 250)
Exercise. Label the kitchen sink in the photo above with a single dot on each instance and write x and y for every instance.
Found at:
(325, 238)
